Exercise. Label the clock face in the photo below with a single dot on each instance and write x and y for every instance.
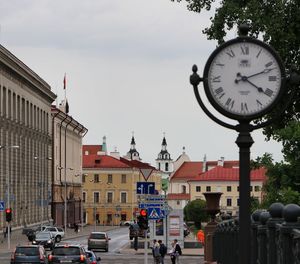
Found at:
(243, 78)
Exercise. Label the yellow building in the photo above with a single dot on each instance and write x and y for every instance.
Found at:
(109, 186)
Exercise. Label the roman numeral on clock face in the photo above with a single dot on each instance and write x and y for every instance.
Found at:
(220, 92)
(272, 78)
(229, 103)
(258, 103)
(245, 50)
(244, 107)
(268, 92)
(216, 79)
(230, 53)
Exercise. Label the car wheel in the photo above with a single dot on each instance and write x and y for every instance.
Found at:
(58, 239)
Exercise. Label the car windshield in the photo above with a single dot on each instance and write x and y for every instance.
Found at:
(43, 235)
(66, 251)
(27, 251)
(97, 236)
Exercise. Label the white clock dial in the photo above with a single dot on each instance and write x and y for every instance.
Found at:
(243, 78)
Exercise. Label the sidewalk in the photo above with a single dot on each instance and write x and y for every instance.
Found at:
(17, 238)
(185, 251)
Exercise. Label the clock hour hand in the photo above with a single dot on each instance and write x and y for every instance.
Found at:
(259, 89)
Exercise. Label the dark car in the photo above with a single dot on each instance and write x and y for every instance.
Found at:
(29, 254)
(46, 239)
(74, 254)
(93, 258)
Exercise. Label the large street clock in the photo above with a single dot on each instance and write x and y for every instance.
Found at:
(243, 78)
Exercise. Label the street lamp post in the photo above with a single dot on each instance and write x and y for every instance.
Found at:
(42, 187)
(8, 187)
(81, 193)
(65, 200)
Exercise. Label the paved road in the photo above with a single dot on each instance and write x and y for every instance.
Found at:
(119, 240)
(108, 258)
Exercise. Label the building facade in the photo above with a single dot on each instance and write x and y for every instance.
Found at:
(26, 142)
(67, 167)
(110, 183)
(226, 181)
(193, 178)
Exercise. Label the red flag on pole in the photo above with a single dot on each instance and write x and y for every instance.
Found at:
(65, 82)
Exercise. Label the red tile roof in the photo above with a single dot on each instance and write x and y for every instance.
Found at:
(106, 161)
(102, 161)
(191, 169)
(178, 196)
(188, 170)
(229, 174)
(137, 164)
(92, 149)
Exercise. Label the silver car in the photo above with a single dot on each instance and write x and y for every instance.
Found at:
(98, 240)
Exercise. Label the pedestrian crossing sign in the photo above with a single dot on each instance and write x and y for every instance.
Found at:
(1, 206)
(154, 213)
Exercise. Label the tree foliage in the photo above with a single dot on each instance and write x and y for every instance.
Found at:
(276, 22)
(195, 211)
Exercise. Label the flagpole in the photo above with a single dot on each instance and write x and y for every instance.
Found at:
(65, 88)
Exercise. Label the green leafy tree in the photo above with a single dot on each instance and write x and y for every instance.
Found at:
(195, 211)
(277, 22)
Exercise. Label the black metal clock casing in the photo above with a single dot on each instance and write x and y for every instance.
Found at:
(244, 78)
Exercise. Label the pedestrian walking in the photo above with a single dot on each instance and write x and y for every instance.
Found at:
(155, 252)
(4, 232)
(177, 250)
(162, 250)
(172, 253)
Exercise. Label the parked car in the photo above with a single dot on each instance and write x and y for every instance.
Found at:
(34, 254)
(57, 232)
(45, 239)
(74, 254)
(135, 230)
(98, 240)
(93, 258)
(127, 223)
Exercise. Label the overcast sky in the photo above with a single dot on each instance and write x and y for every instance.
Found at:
(128, 64)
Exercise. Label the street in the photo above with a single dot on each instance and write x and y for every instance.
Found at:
(117, 250)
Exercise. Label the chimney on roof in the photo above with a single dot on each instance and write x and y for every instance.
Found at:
(115, 154)
(221, 162)
(204, 164)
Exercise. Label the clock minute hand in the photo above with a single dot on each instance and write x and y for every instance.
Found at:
(264, 71)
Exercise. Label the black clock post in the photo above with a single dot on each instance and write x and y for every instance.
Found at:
(253, 91)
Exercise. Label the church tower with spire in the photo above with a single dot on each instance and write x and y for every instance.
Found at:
(132, 154)
(164, 162)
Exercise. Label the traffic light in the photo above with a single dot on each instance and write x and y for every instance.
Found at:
(8, 214)
(143, 219)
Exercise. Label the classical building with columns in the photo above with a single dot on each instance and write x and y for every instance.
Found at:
(25, 142)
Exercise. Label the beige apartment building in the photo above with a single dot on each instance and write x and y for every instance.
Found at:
(226, 181)
(67, 167)
(25, 142)
(193, 178)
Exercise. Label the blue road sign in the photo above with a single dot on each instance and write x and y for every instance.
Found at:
(145, 187)
(2, 206)
(154, 213)
(146, 205)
